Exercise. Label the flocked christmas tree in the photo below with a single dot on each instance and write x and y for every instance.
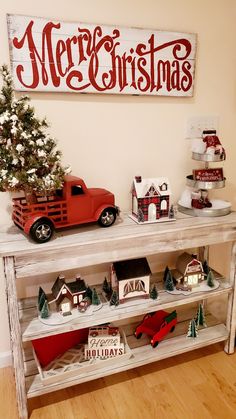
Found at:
(206, 267)
(140, 216)
(210, 279)
(114, 301)
(95, 298)
(169, 283)
(106, 286)
(165, 273)
(29, 160)
(154, 292)
(44, 313)
(192, 330)
(41, 298)
(200, 319)
(89, 292)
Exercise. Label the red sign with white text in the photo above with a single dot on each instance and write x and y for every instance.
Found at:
(48, 55)
(208, 175)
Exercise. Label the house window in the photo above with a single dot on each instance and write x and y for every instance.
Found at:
(164, 205)
(80, 298)
(75, 299)
(77, 190)
(64, 291)
(163, 187)
(152, 191)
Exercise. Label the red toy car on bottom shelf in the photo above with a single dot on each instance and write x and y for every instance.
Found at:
(157, 325)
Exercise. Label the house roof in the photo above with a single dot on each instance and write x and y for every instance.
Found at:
(184, 260)
(143, 187)
(58, 284)
(76, 286)
(134, 268)
(73, 287)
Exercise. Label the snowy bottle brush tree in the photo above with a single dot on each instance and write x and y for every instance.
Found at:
(28, 158)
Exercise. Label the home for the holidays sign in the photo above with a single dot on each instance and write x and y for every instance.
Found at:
(48, 55)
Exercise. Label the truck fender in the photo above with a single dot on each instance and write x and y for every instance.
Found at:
(102, 208)
(32, 220)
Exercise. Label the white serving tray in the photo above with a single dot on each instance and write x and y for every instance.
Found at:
(72, 363)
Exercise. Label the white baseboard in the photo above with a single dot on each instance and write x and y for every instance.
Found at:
(5, 359)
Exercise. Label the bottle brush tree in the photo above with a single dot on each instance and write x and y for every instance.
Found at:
(106, 287)
(165, 273)
(200, 319)
(29, 160)
(192, 329)
(210, 279)
(154, 292)
(169, 283)
(95, 298)
(41, 298)
(44, 313)
(206, 268)
(114, 301)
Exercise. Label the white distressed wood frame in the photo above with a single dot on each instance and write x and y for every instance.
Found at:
(92, 245)
(15, 335)
(50, 55)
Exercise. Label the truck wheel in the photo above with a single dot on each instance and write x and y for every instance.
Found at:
(154, 345)
(138, 336)
(172, 329)
(107, 217)
(41, 231)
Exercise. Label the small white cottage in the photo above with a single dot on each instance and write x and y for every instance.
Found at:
(131, 279)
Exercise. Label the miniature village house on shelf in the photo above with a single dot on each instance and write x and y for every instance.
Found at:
(131, 279)
(68, 295)
(190, 270)
(150, 199)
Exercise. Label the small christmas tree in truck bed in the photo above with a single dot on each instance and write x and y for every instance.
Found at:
(29, 161)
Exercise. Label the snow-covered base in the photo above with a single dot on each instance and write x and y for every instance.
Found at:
(57, 318)
(141, 302)
(203, 287)
(160, 220)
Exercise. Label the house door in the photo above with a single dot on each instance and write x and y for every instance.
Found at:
(65, 308)
(193, 280)
(152, 212)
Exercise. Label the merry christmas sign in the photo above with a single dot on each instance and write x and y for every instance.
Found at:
(49, 55)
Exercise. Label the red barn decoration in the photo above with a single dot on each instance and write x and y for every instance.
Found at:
(190, 270)
(150, 199)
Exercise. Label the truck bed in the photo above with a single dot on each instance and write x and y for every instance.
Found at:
(49, 206)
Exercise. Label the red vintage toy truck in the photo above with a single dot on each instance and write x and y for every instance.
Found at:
(157, 325)
(74, 204)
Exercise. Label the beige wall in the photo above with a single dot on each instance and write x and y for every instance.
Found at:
(108, 139)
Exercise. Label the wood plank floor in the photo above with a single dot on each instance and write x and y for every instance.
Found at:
(199, 384)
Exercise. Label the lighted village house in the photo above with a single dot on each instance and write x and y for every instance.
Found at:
(68, 295)
(150, 198)
(190, 271)
(131, 279)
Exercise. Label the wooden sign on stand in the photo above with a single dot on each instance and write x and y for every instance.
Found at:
(208, 175)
